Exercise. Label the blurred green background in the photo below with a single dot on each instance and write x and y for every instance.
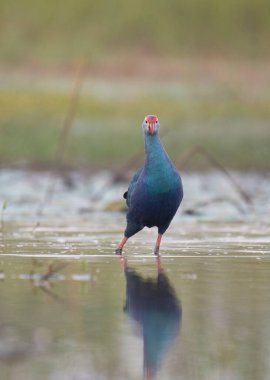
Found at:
(201, 66)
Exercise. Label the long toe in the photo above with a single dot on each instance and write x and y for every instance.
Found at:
(118, 251)
(156, 251)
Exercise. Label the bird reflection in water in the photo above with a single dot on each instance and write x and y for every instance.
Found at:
(153, 305)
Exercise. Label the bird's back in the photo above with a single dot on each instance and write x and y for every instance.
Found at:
(132, 186)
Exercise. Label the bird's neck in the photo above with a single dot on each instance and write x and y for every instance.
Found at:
(158, 168)
(154, 151)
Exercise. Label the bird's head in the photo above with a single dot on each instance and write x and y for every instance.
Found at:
(150, 125)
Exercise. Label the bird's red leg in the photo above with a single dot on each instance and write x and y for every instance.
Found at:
(118, 250)
(156, 251)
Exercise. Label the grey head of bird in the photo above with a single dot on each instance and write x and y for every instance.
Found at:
(150, 125)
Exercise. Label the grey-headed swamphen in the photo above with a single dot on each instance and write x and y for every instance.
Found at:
(155, 192)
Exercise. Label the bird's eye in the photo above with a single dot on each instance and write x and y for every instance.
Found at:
(146, 121)
(156, 121)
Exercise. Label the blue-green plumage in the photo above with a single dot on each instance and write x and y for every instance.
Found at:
(131, 186)
(155, 192)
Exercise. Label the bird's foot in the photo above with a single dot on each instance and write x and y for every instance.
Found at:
(120, 246)
(156, 251)
(118, 252)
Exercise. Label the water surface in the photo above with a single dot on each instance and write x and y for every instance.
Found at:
(70, 309)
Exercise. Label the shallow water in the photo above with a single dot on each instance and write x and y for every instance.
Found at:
(70, 309)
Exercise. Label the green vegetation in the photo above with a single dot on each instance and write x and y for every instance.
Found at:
(57, 31)
(124, 39)
(106, 131)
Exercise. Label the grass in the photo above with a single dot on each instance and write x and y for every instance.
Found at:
(106, 131)
(229, 118)
(120, 38)
(55, 32)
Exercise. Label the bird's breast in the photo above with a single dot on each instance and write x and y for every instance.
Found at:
(161, 180)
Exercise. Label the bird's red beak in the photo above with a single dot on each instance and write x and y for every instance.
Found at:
(151, 128)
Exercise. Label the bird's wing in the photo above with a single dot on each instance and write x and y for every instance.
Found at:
(133, 182)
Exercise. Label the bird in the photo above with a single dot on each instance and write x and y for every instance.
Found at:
(155, 191)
